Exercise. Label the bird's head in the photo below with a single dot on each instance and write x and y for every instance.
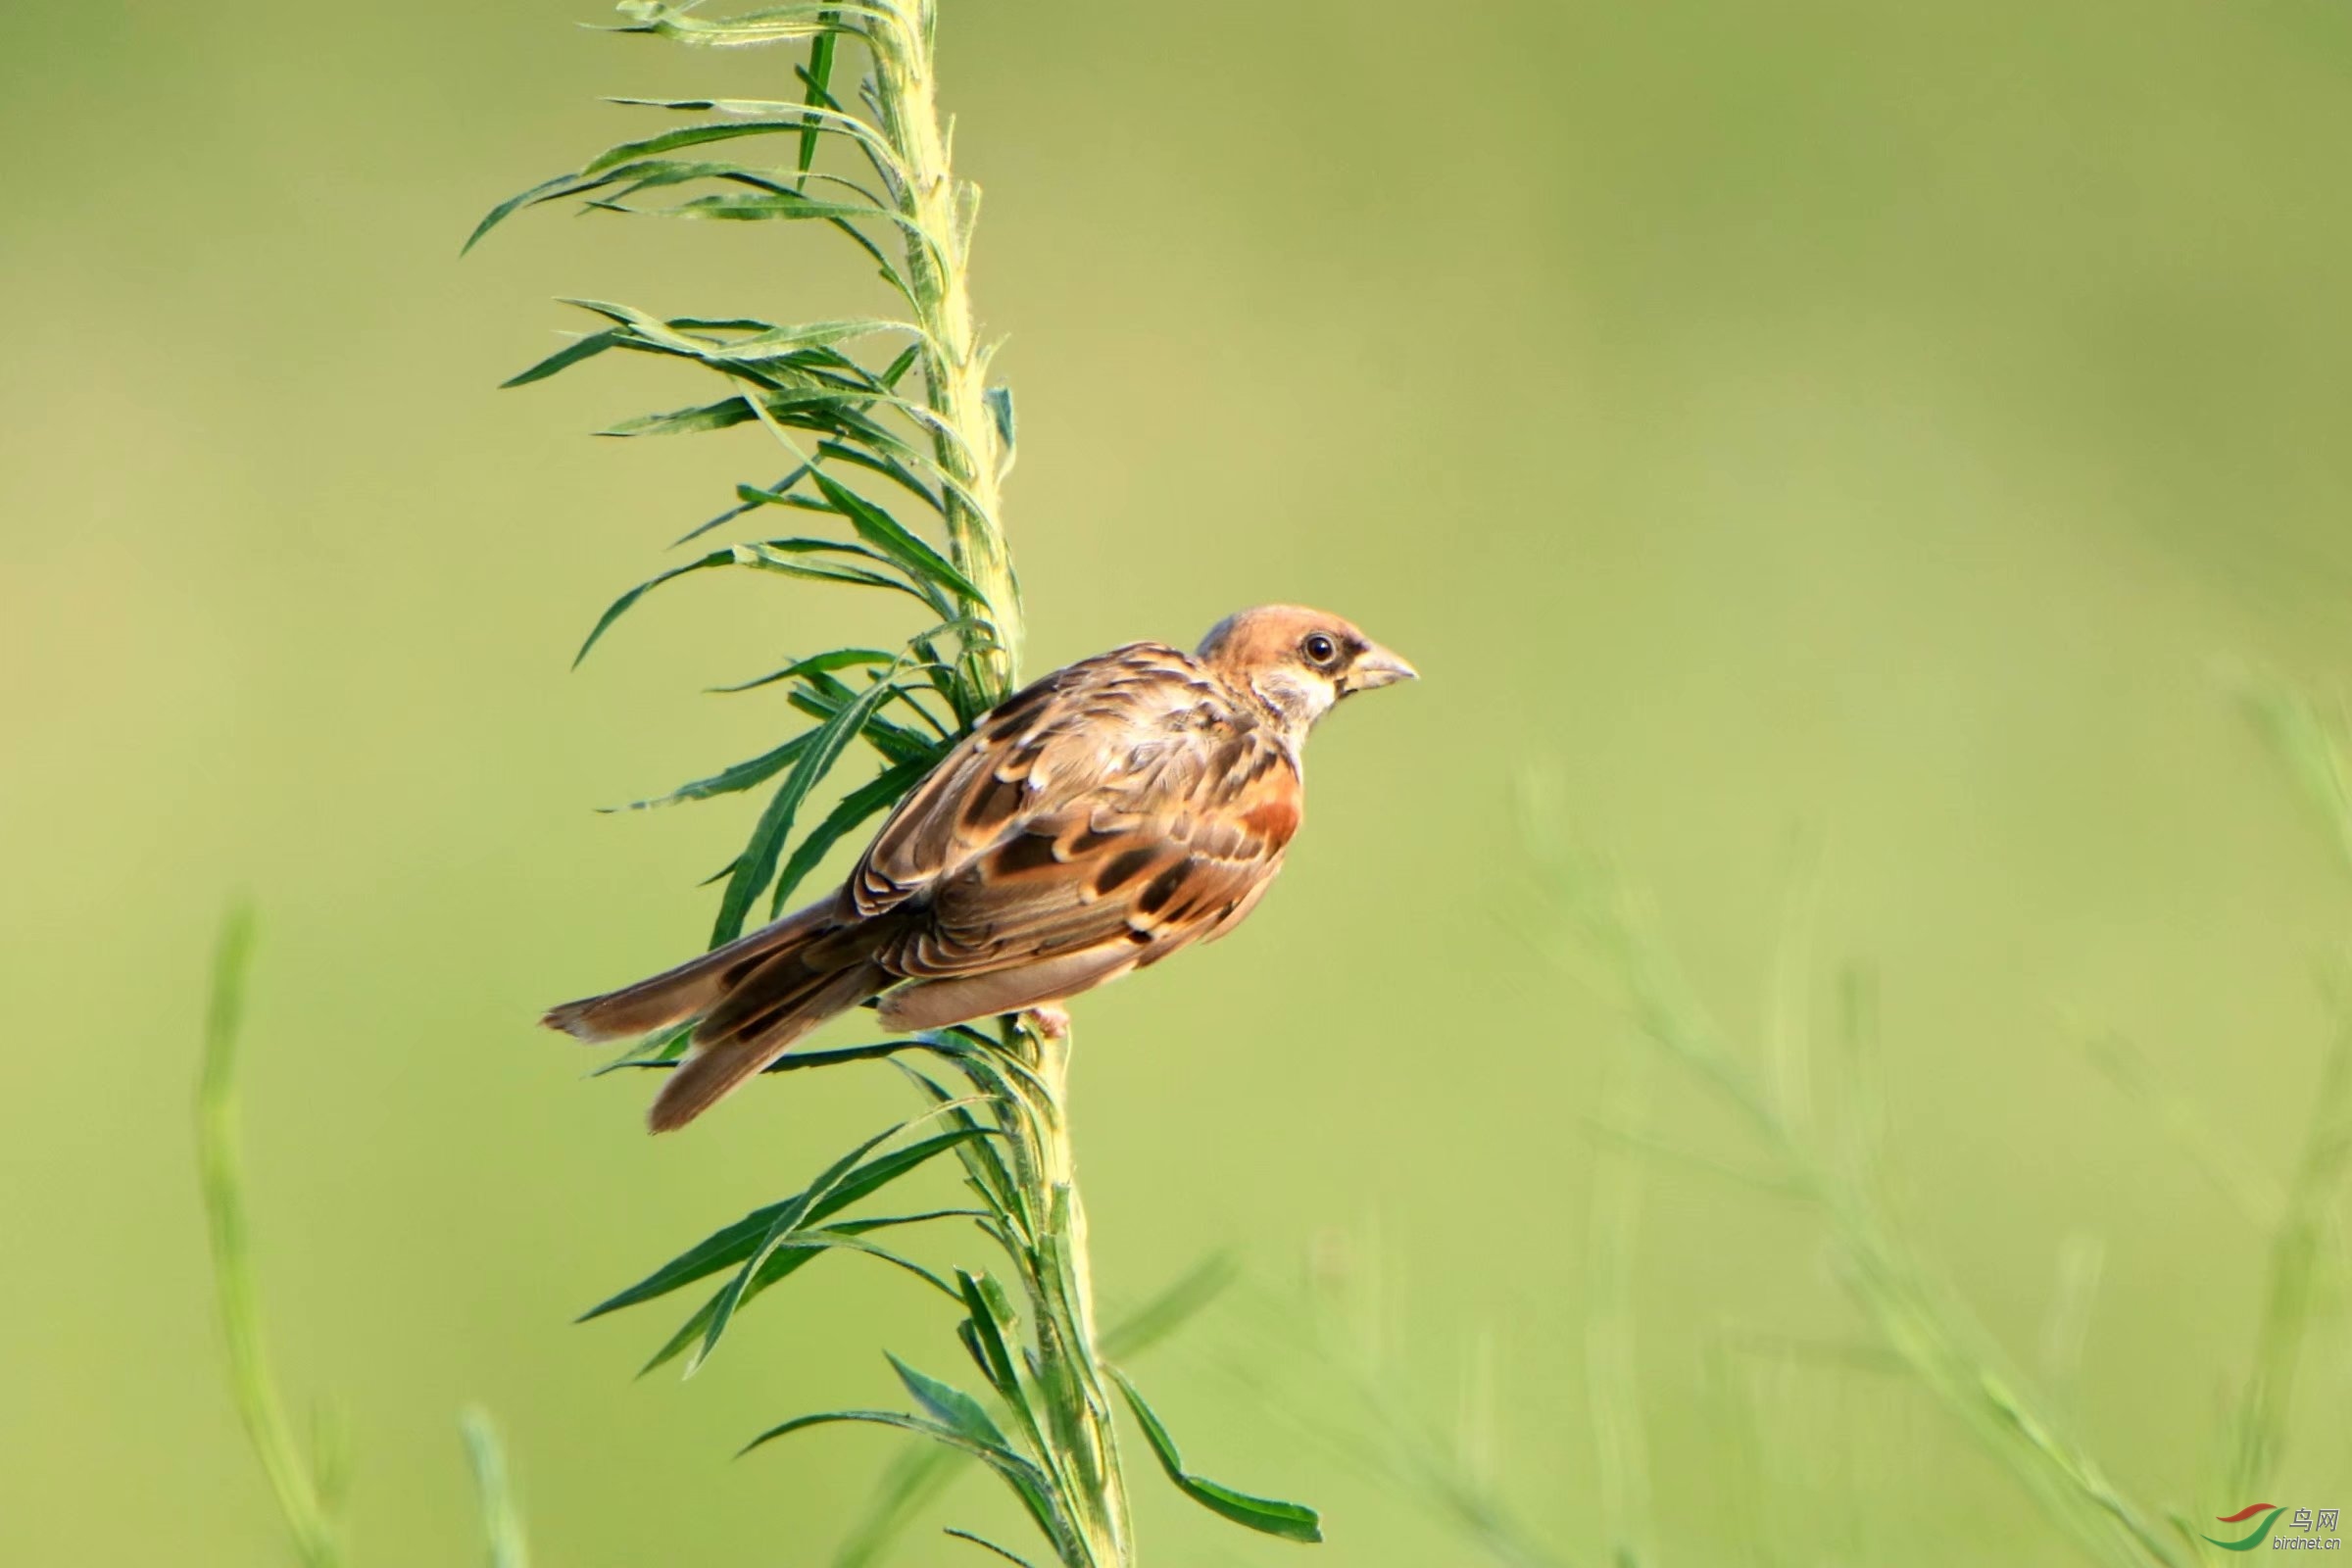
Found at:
(1299, 661)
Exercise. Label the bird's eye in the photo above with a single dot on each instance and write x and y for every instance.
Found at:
(1319, 649)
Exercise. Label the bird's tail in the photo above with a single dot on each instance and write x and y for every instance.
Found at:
(748, 1001)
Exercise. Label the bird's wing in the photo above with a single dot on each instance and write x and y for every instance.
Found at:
(1133, 795)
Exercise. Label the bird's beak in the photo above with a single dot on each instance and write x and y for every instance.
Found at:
(1376, 667)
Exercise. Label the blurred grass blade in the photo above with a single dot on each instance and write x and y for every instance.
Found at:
(316, 1538)
(2260, 1430)
(2316, 751)
(2066, 1324)
(919, 1474)
(1790, 1033)
(1291, 1521)
(2258, 1200)
(1620, 1443)
(502, 1518)
(1940, 1341)
(1163, 1314)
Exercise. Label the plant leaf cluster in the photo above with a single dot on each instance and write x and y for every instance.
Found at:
(895, 442)
(882, 445)
(992, 1107)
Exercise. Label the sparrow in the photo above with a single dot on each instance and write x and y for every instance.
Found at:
(1099, 820)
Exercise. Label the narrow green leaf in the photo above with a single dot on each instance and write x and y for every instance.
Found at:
(507, 209)
(987, 1544)
(693, 421)
(771, 25)
(849, 1238)
(814, 334)
(655, 1051)
(722, 323)
(999, 1459)
(877, 795)
(884, 465)
(886, 534)
(1000, 413)
(759, 860)
(765, 341)
(788, 205)
(776, 557)
(569, 355)
(985, 1168)
(741, 108)
(790, 1216)
(742, 506)
(742, 776)
(819, 78)
(820, 696)
(897, 369)
(893, 742)
(879, 1050)
(730, 1246)
(1291, 1521)
(837, 659)
(620, 607)
(987, 1333)
(949, 1405)
(701, 136)
(650, 327)
(885, 1418)
(1028, 1481)
(656, 174)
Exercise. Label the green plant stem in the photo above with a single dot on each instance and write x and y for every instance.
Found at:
(299, 1494)
(941, 210)
(1057, 1273)
(1056, 1276)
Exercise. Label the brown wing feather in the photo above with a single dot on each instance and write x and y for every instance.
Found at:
(1132, 797)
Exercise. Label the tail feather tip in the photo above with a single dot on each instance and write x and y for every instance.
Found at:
(574, 1019)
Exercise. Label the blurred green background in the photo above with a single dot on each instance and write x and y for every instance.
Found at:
(1896, 425)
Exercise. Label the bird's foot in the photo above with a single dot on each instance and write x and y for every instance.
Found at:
(1051, 1021)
